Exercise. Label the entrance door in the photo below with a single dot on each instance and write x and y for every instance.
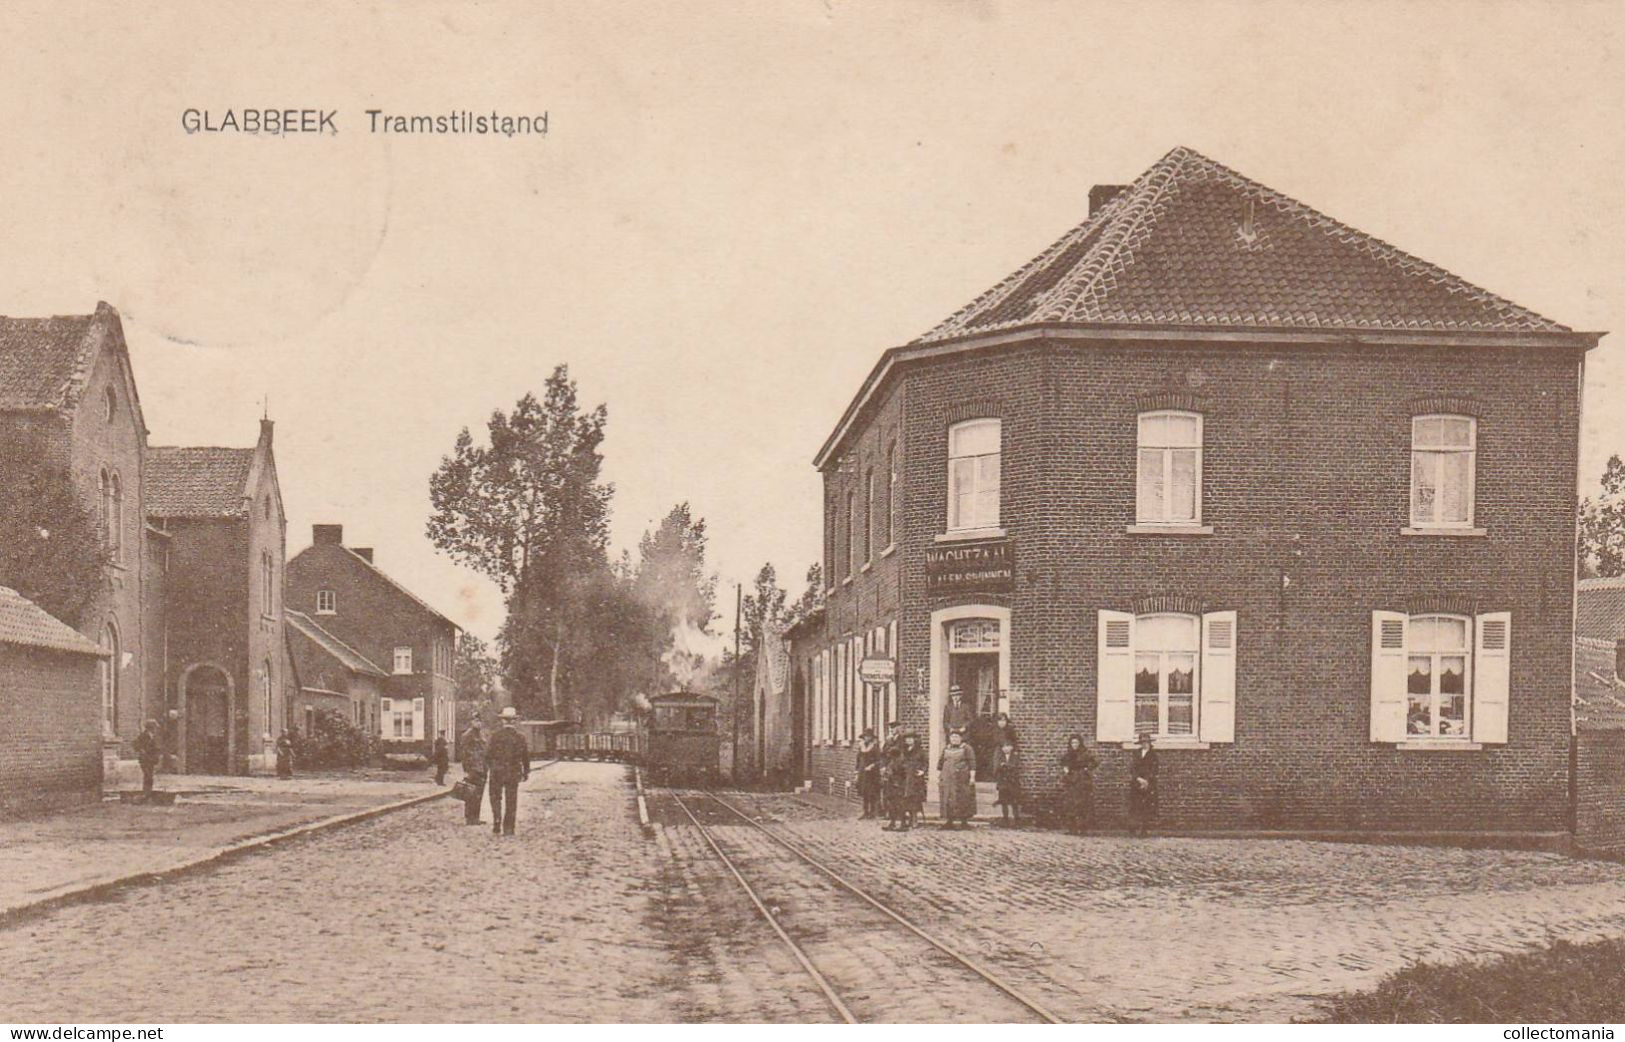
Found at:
(206, 746)
(977, 675)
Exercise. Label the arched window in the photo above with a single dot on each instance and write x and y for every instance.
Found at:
(267, 583)
(104, 504)
(973, 475)
(109, 405)
(1436, 676)
(1166, 650)
(115, 533)
(110, 676)
(1169, 487)
(265, 693)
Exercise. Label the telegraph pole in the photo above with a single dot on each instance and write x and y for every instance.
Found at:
(739, 608)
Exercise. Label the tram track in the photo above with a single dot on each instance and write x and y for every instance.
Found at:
(867, 958)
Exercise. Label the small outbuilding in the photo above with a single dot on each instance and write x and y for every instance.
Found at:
(50, 701)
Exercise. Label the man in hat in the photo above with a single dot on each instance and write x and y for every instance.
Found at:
(868, 766)
(507, 759)
(956, 715)
(146, 754)
(1142, 789)
(471, 750)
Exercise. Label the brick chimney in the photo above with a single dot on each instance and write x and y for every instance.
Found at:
(363, 552)
(327, 535)
(1100, 195)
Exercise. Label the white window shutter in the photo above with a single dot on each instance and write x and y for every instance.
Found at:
(417, 718)
(1217, 722)
(1114, 692)
(1389, 635)
(1492, 676)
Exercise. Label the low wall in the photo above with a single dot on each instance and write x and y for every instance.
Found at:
(1599, 792)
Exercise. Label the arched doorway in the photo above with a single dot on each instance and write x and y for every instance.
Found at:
(207, 695)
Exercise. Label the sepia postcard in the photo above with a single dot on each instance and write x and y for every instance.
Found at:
(811, 512)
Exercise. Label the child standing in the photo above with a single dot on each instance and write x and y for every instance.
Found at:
(1007, 776)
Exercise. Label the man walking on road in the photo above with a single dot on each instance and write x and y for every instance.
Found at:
(471, 749)
(507, 758)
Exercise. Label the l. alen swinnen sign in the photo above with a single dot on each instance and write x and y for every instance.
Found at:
(982, 566)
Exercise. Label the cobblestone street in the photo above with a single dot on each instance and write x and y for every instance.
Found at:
(584, 916)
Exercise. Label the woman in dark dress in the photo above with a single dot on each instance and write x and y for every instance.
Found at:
(869, 765)
(908, 768)
(1077, 784)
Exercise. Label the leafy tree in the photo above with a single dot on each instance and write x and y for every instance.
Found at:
(764, 607)
(474, 669)
(1601, 549)
(528, 510)
(811, 599)
(51, 549)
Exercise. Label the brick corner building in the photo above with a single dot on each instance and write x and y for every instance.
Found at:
(353, 601)
(1217, 468)
(50, 684)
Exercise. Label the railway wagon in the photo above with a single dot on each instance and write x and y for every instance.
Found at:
(604, 746)
(684, 744)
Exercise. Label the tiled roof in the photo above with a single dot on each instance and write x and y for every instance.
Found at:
(26, 623)
(387, 578)
(347, 656)
(197, 482)
(1192, 243)
(1600, 608)
(44, 361)
(1599, 696)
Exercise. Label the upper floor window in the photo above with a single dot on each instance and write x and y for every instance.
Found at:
(267, 583)
(403, 660)
(869, 515)
(1443, 451)
(327, 602)
(973, 475)
(851, 533)
(1170, 468)
(109, 405)
(113, 513)
(888, 510)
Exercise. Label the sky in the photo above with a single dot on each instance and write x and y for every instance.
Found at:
(735, 210)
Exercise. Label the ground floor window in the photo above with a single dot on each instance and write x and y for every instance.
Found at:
(1165, 657)
(1436, 682)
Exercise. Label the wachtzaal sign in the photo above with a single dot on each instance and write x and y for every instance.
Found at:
(973, 566)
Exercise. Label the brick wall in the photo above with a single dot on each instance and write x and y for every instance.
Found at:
(1599, 792)
(1306, 483)
(50, 746)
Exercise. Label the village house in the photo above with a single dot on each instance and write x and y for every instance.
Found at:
(355, 601)
(50, 676)
(333, 676)
(67, 391)
(1218, 469)
(217, 527)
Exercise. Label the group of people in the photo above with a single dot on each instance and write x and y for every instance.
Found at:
(499, 763)
(892, 775)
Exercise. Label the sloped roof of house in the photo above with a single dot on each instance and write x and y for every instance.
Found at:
(425, 605)
(25, 623)
(1193, 243)
(1599, 694)
(1600, 608)
(197, 481)
(345, 655)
